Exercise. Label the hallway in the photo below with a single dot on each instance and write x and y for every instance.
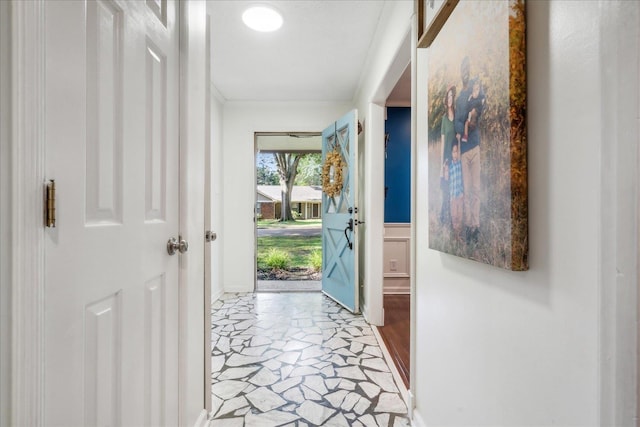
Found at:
(298, 359)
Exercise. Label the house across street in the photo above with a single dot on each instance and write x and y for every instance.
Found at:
(306, 200)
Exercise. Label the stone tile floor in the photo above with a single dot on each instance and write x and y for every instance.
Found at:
(296, 360)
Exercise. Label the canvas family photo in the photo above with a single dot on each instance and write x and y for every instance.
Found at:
(477, 134)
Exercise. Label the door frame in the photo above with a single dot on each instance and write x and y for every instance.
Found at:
(207, 218)
(193, 94)
(5, 215)
(256, 149)
(27, 243)
(24, 195)
(374, 200)
(406, 54)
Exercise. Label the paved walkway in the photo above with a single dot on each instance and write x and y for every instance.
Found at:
(297, 231)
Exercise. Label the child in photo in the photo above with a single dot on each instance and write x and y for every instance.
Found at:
(456, 192)
(475, 106)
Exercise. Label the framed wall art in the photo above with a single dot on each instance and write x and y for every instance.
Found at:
(432, 14)
(477, 134)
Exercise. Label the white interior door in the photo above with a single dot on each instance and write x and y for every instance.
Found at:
(340, 213)
(111, 309)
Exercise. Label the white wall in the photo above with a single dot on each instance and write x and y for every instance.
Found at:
(5, 217)
(240, 121)
(382, 70)
(504, 348)
(620, 68)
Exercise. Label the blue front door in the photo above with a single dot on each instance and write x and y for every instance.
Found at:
(339, 213)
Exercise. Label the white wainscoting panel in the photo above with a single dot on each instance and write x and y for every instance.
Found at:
(397, 258)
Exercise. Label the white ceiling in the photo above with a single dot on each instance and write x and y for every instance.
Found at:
(317, 55)
(400, 96)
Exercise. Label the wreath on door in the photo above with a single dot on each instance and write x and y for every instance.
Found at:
(333, 163)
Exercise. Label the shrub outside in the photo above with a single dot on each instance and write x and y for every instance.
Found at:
(315, 260)
(277, 259)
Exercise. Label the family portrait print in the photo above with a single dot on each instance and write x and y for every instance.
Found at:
(477, 152)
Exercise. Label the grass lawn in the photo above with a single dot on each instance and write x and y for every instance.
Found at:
(274, 223)
(298, 247)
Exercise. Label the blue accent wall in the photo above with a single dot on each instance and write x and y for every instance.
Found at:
(397, 166)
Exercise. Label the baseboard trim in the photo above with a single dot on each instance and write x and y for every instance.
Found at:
(216, 297)
(392, 367)
(365, 311)
(410, 404)
(203, 419)
(417, 420)
(237, 290)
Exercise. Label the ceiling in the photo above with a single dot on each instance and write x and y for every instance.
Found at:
(400, 96)
(317, 55)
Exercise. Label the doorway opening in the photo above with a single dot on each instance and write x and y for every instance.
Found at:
(396, 332)
(288, 211)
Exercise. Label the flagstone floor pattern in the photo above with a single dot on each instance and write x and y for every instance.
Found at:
(298, 360)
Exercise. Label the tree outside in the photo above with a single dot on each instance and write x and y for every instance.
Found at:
(265, 170)
(288, 169)
(310, 169)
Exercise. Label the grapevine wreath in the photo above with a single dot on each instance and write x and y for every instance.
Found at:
(334, 188)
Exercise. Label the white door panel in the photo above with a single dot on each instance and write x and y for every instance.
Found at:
(112, 147)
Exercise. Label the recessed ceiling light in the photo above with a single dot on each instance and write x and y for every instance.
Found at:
(262, 18)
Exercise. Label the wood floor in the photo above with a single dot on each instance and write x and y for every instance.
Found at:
(396, 332)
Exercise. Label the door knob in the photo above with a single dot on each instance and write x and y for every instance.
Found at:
(174, 245)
